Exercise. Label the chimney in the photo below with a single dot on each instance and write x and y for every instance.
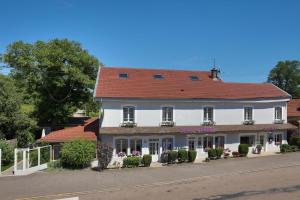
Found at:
(214, 73)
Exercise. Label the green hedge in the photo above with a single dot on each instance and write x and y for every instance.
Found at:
(284, 148)
(77, 154)
(219, 152)
(243, 149)
(7, 152)
(182, 155)
(172, 156)
(212, 153)
(192, 155)
(132, 161)
(147, 160)
(295, 141)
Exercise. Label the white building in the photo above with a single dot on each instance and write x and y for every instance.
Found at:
(151, 111)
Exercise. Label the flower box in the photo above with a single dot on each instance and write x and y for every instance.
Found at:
(128, 124)
(249, 122)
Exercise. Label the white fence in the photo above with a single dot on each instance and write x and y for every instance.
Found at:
(28, 161)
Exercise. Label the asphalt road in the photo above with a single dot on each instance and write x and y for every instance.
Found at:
(272, 177)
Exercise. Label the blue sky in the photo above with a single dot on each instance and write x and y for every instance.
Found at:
(247, 38)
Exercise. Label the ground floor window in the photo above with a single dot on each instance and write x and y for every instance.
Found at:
(136, 146)
(219, 141)
(247, 139)
(200, 145)
(121, 146)
(153, 146)
(278, 139)
(262, 140)
(207, 142)
(191, 143)
(167, 144)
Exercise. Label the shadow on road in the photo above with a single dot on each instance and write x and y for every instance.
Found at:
(252, 193)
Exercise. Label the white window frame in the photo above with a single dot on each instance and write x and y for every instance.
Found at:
(245, 113)
(115, 145)
(275, 135)
(275, 113)
(121, 113)
(248, 134)
(213, 113)
(135, 139)
(162, 113)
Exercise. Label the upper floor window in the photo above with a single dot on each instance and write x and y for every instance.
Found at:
(208, 114)
(278, 113)
(128, 114)
(167, 114)
(248, 113)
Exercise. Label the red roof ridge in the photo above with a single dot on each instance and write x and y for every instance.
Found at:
(154, 69)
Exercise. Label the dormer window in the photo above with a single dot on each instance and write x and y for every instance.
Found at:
(123, 75)
(128, 114)
(194, 78)
(158, 76)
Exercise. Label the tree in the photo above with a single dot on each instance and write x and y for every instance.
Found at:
(58, 76)
(286, 75)
(12, 119)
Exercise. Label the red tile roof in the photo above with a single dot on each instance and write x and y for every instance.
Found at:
(86, 131)
(177, 84)
(294, 108)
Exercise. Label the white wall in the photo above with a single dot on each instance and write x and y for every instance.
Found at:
(191, 113)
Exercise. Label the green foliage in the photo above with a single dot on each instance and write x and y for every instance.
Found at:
(132, 161)
(55, 164)
(172, 156)
(295, 141)
(212, 153)
(24, 139)
(192, 155)
(147, 159)
(286, 75)
(219, 152)
(285, 148)
(12, 119)
(7, 152)
(57, 76)
(243, 149)
(33, 158)
(77, 154)
(182, 155)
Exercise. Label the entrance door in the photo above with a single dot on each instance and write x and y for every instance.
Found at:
(154, 149)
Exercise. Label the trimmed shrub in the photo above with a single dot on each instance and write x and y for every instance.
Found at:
(192, 155)
(295, 141)
(172, 156)
(243, 149)
(212, 153)
(7, 152)
(219, 152)
(293, 148)
(285, 148)
(77, 154)
(182, 155)
(147, 159)
(132, 161)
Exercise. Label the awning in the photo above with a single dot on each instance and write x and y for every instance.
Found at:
(196, 129)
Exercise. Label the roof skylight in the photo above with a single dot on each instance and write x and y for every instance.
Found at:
(194, 78)
(123, 75)
(158, 76)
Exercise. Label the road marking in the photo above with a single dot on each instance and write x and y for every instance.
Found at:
(71, 198)
(161, 183)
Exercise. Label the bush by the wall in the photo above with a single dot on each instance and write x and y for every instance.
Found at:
(243, 149)
(295, 141)
(77, 154)
(219, 152)
(7, 152)
(285, 148)
(212, 153)
(172, 156)
(182, 155)
(294, 148)
(192, 155)
(147, 159)
(132, 161)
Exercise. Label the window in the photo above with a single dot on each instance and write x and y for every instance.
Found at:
(167, 144)
(194, 78)
(262, 140)
(207, 142)
(200, 145)
(278, 113)
(153, 146)
(123, 75)
(248, 112)
(121, 145)
(219, 141)
(248, 139)
(208, 114)
(191, 143)
(136, 145)
(278, 139)
(158, 76)
(167, 114)
(128, 114)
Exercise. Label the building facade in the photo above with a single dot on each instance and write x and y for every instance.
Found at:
(152, 111)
